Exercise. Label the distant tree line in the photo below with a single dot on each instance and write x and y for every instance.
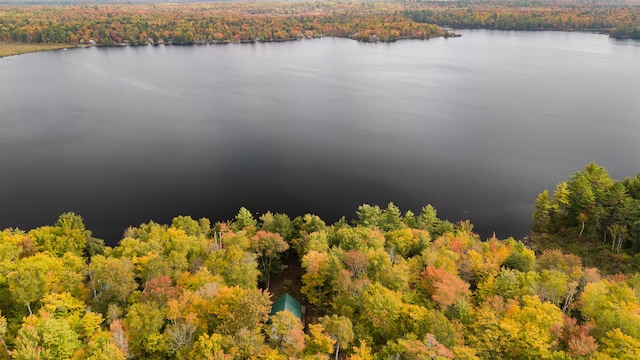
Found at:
(109, 24)
(616, 19)
(207, 23)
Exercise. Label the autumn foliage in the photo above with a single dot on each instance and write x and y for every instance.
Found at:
(444, 288)
(409, 286)
(208, 23)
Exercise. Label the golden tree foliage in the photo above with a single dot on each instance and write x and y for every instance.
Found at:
(185, 291)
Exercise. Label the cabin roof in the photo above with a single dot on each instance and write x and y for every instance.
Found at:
(287, 302)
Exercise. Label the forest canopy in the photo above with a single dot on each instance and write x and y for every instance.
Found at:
(388, 284)
(594, 216)
(201, 23)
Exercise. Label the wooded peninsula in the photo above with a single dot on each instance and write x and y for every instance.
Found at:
(386, 285)
(204, 23)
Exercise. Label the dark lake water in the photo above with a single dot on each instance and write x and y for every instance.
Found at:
(476, 126)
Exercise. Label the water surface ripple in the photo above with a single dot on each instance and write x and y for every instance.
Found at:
(476, 126)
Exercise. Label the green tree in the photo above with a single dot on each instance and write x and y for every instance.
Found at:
(31, 279)
(308, 224)
(244, 220)
(269, 247)
(391, 218)
(190, 226)
(540, 216)
(614, 199)
(369, 216)
(429, 217)
(111, 279)
(143, 325)
(68, 235)
(46, 338)
(611, 305)
(581, 195)
(278, 223)
(410, 219)
(236, 266)
(406, 242)
(559, 204)
(598, 215)
(316, 241)
(520, 258)
(618, 235)
(430, 221)
(340, 330)
(381, 309)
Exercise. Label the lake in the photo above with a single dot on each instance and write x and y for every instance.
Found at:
(476, 126)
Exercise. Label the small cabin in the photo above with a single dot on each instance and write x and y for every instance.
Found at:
(287, 302)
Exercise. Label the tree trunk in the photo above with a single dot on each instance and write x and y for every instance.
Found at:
(268, 270)
(93, 286)
(6, 349)
(620, 241)
(568, 300)
(337, 351)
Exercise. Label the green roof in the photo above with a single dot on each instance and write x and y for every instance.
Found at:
(287, 302)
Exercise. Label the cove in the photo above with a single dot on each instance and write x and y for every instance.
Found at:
(476, 126)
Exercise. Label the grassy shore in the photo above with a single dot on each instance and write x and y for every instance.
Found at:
(8, 49)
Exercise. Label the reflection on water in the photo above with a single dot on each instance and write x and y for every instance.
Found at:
(476, 126)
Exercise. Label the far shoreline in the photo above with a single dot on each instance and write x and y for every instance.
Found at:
(13, 49)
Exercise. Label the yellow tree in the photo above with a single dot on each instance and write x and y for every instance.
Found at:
(527, 328)
(236, 308)
(315, 279)
(68, 235)
(620, 346)
(285, 333)
(611, 305)
(45, 337)
(143, 325)
(318, 341)
(31, 279)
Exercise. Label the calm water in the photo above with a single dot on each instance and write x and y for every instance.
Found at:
(476, 126)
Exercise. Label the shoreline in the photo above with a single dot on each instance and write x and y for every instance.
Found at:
(14, 49)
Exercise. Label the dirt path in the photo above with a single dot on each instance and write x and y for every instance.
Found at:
(289, 281)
